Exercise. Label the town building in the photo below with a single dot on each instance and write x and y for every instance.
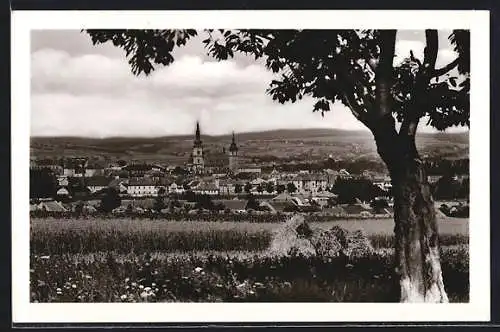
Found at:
(142, 187)
(233, 155)
(94, 169)
(97, 183)
(74, 167)
(197, 155)
(310, 182)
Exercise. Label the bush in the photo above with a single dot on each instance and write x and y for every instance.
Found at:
(296, 236)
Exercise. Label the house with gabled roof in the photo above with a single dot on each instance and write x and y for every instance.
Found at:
(206, 188)
(119, 185)
(97, 183)
(283, 197)
(234, 205)
(51, 206)
(358, 210)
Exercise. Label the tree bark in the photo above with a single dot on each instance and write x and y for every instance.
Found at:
(416, 246)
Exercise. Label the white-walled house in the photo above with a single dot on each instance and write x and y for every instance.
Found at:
(62, 192)
(142, 187)
(310, 182)
(206, 188)
(227, 187)
(97, 183)
(176, 188)
(94, 170)
(62, 181)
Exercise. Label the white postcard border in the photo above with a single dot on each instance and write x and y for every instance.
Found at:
(477, 310)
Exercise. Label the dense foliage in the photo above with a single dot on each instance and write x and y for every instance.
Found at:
(329, 65)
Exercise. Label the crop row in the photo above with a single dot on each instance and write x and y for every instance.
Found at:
(69, 241)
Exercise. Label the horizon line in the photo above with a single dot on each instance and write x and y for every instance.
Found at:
(466, 130)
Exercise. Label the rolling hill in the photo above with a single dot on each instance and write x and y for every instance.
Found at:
(276, 144)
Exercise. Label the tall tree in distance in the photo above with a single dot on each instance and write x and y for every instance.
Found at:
(110, 200)
(355, 68)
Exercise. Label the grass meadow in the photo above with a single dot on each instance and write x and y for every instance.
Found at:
(125, 260)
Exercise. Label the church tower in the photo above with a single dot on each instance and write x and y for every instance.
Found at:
(233, 155)
(198, 161)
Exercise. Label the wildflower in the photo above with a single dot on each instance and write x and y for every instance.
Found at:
(198, 269)
(141, 287)
(74, 286)
(58, 289)
(147, 289)
(133, 284)
(88, 277)
(123, 297)
(127, 279)
(153, 284)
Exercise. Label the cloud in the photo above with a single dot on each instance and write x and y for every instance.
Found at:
(96, 95)
(57, 71)
(79, 89)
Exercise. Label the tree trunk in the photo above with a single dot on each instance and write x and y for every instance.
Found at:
(417, 248)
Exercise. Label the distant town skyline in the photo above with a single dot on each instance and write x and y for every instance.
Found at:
(79, 89)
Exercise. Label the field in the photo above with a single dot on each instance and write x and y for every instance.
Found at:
(124, 260)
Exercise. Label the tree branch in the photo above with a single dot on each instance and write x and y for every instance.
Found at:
(384, 73)
(430, 51)
(415, 109)
(356, 110)
(445, 69)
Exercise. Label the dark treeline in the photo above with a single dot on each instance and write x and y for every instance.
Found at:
(434, 166)
(180, 216)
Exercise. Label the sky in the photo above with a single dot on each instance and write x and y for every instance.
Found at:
(78, 89)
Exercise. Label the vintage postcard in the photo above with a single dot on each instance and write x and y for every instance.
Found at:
(250, 166)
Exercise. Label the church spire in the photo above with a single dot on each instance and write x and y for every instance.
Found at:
(233, 147)
(197, 139)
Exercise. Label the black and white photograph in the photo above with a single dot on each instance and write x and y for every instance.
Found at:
(170, 164)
